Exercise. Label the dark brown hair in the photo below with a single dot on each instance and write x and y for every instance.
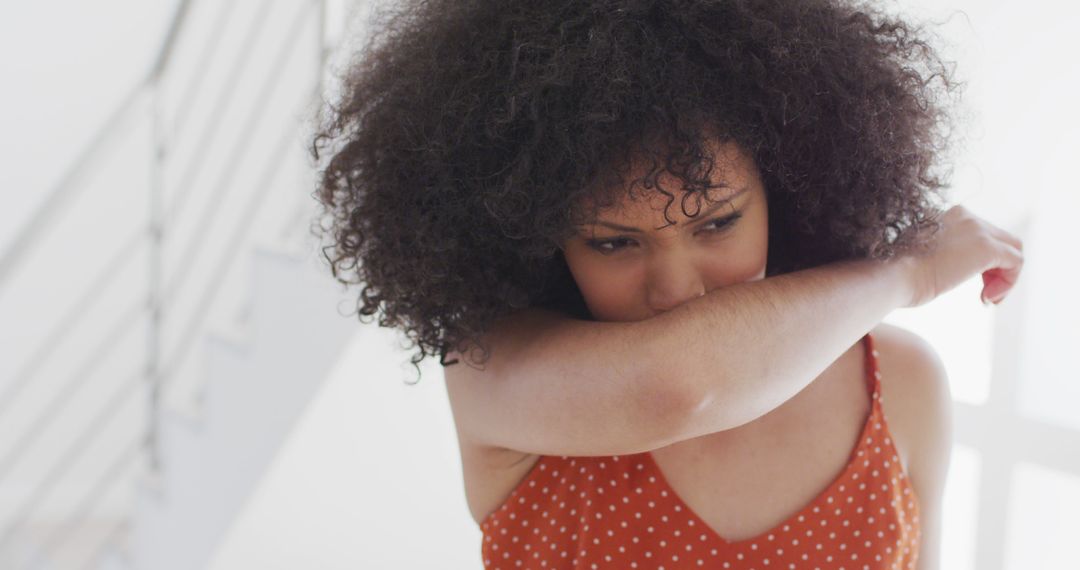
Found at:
(467, 130)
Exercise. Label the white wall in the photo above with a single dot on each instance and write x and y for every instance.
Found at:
(370, 478)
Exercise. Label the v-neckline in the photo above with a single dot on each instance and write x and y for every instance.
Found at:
(869, 377)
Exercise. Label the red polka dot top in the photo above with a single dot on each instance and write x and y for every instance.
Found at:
(619, 512)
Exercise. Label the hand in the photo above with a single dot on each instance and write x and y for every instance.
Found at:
(966, 245)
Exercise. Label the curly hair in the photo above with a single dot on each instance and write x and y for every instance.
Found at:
(468, 132)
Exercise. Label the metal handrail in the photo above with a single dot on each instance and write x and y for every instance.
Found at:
(70, 388)
(65, 325)
(221, 188)
(44, 219)
(73, 452)
(202, 307)
(164, 57)
(14, 389)
(179, 203)
(100, 488)
(61, 194)
(45, 216)
(187, 99)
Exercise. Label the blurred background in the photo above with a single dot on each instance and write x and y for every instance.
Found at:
(179, 388)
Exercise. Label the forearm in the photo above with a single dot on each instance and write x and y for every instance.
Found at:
(718, 361)
(740, 351)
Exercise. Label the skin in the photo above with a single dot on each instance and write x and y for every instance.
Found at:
(627, 276)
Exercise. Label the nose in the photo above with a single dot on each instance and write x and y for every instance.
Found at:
(672, 282)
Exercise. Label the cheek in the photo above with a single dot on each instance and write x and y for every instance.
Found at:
(742, 259)
(760, 260)
(756, 245)
(609, 288)
(734, 265)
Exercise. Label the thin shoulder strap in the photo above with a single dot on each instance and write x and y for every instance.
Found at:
(873, 374)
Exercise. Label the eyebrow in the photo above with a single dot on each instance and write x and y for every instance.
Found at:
(709, 210)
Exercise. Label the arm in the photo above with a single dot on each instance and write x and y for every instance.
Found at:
(555, 385)
(757, 344)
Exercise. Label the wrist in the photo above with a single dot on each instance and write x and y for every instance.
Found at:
(903, 272)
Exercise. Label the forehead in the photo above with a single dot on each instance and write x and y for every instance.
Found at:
(733, 173)
(653, 204)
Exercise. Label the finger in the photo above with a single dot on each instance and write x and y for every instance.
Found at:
(1012, 258)
(1000, 280)
(994, 286)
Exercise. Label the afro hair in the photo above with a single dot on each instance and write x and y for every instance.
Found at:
(468, 131)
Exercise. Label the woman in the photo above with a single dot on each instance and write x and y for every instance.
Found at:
(652, 243)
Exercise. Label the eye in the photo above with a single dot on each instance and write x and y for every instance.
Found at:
(602, 245)
(614, 245)
(720, 224)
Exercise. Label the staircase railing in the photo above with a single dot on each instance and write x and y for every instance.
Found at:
(150, 378)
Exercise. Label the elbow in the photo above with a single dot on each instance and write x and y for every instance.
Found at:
(680, 411)
(695, 408)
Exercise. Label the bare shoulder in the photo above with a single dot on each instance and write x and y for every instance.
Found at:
(917, 404)
(914, 386)
(909, 364)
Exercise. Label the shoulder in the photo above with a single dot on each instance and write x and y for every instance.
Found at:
(917, 404)
(914, 389)
(909, 364)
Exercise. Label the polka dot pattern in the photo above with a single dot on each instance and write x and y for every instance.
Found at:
(619, 512)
